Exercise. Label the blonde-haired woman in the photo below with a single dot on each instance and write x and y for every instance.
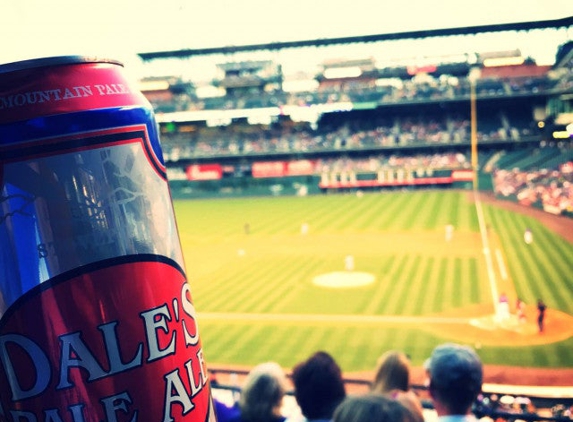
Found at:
(392, 379)
(392, 373)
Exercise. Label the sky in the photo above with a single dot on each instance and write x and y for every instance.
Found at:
(120, 29)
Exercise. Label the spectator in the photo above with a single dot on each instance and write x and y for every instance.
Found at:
(318, 387)
(392, 378)
(370, 408)
(392, 373)
(225, 413)
(262, 394)
(456, 374)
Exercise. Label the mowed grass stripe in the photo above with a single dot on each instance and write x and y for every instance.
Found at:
(413, 213)
(387, 277)
(433, 217)
(267, 282)
(557, 272)
(393, 215)
(249, 280)
(460, 288)
(290, 280)
(232, 290)
(413, 296)
(389, 207)
(479, 292)
(552, 272)
(453, 204)
(322, 212)
(439, 273)
(429, 268)
(345, 216)
(227, 343)
(369, 213)
(553, 246)
(403, 287)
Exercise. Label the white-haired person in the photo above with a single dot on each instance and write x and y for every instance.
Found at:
(262, 394)
(455, 380)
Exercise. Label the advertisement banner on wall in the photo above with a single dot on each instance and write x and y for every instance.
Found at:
(283, 168)
(204, 172)
(462, 175)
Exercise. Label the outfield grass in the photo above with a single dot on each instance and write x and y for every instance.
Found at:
(256, 300)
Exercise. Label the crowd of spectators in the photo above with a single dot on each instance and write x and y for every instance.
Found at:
(415, 163)
(452, 392)
(394, 92)
(549, 189)
(359, 145)
(401, 132)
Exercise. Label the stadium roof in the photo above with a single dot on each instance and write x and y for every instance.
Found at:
(274, 46)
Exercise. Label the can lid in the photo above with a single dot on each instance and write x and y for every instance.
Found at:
(53, 61)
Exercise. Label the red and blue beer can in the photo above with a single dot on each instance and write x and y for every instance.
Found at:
(97, 321)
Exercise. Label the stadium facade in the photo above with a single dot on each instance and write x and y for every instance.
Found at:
(448, 121)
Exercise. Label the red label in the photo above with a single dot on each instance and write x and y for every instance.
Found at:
(118, 343)
(64, 89)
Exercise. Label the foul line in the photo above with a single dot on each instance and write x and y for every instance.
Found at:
(486, 251)
(501, 264)
(230, 316)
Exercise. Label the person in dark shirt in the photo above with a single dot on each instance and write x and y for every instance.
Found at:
(541, 315)
(318, 387)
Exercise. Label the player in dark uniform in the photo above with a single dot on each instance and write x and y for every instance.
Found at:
(541, 314)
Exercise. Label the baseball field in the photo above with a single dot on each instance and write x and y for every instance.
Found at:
(270, 280)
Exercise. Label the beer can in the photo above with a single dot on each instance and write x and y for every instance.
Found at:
(97, 322)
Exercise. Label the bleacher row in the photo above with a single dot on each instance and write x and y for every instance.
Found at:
(401, 132)
(434, 89)
(535, 174)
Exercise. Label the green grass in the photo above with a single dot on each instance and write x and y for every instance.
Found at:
(398, 237)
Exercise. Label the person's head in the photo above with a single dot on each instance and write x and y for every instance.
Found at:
(370, 408)
(392, 373)
(263, 392)
(318, 386)
(456, 376)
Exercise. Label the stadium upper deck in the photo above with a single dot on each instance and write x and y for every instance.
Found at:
(251, 115)
(243, 83)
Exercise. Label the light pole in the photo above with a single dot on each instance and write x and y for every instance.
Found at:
(473, 120)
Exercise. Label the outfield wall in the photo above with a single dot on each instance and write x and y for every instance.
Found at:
(302, 186)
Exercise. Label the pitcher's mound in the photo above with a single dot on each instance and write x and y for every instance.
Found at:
(344, 279)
